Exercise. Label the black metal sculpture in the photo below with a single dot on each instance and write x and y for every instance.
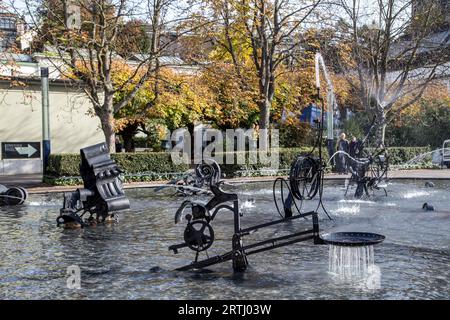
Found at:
(352, 239)
(199, 233)
(197, 181)
(305, 182)
(369, 173)
(369, 170)
(12, 196)
(305, 176)
(102, 194)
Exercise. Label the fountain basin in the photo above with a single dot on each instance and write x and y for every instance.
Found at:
(352, 239)
(115, 258)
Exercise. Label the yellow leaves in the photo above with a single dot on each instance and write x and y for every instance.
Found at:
(121, 124)
(435, 94)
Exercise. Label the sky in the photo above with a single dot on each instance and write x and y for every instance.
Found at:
(367, 7)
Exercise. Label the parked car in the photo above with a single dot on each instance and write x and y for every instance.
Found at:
(442, 156)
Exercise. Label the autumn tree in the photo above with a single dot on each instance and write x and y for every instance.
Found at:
(268, 31)
(392, 56)
(85, 36)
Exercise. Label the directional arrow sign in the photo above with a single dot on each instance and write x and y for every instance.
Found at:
(21, 150)
(29, 151)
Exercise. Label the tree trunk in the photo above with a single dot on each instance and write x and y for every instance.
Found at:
(127, 141)
(380, 128)
(127, 134)
(108, 131)
(106, 115)
(264, 113)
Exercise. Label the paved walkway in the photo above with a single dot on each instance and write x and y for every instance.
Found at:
(22, 180)
(34, 184)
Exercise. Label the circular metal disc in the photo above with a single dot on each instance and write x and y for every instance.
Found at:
(352, 238)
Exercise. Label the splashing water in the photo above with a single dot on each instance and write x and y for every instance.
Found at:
(348, 155)
(247, 204)
(351, 262)
(435, 156)
(348, 210)
(421, 156)
(356, 201)
(415, 194)
(330, 92)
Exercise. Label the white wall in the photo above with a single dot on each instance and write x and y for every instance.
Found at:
(71, 127)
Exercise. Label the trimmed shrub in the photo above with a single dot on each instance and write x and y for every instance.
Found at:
(400, 155)
(63, 169)
(68, 165)
(151, 166)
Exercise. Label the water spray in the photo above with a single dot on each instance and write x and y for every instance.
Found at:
(305, 182)
(319, 62)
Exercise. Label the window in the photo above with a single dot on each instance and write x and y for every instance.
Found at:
(7, 23)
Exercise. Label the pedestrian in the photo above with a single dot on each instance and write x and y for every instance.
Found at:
(118, 145)
(342, 145)
(352, 147)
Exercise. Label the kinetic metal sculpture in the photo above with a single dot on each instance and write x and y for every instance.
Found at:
(12, 196)
(102, 194)
(199, 233)
(305, 182)
(369, 173)
(198, 180)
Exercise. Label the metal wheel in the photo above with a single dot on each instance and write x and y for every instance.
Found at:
(15, 196)
(199, 235)
(304, 178)
(209, 171)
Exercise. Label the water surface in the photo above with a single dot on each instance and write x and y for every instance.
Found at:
(131, 260)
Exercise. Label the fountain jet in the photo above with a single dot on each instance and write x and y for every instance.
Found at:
(331, 99)
(351, 254)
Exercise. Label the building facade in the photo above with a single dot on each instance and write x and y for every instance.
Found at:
(12, 28)
(72, 127)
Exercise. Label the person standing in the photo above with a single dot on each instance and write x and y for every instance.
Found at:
(343, 146)
(352, 147)
(118, 145)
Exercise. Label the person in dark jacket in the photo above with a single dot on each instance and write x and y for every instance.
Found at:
(342, 145)
(352, 147)
(118, 145)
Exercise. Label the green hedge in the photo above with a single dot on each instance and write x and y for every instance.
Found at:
(399, 155)
(63, 169)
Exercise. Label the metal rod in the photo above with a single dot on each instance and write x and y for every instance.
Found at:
(259, 226)
(237, 219)
(286, 243)
(273, 240)
(208, 262)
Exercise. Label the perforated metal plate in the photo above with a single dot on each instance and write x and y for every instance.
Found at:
(352, 238)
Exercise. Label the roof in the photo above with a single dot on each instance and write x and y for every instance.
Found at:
(163, 60)
(433, 42)
(53, 52)
(17, 57)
